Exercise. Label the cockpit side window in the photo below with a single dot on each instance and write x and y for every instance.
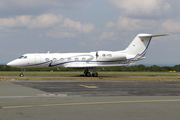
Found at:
(21, 57)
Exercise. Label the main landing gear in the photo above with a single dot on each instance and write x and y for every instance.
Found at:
(88, 74)
(21, 74)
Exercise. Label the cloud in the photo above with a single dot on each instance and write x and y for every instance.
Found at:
(110, 24)
(106, 35)
(85, 28)
(36, 7)
(42, 21)
(130, 24)
(62, 35)
(45, 21)
(71, 29)
(170, 26)
(59, 26)
(14, 22)
(29, 4)
(148, 8)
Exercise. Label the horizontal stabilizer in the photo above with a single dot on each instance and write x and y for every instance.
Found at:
(160, 35)
(151, 35)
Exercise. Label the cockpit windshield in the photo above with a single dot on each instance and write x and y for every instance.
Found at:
(23, 57)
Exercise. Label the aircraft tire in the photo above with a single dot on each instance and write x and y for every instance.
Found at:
(21, 75)
(95, 74)
(88, 74)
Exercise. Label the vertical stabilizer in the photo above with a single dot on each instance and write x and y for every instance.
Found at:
(140, 44)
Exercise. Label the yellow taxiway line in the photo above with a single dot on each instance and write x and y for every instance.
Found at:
(88, 86)
(91, 103)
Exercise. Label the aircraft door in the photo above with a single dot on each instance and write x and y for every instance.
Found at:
(37, 59)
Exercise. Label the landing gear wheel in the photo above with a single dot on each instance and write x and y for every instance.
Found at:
(95, 74)
(21, 75)
(88, 74)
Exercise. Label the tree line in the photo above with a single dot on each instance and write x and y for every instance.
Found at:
(135, 68)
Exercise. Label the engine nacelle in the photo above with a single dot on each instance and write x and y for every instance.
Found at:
(110, 56)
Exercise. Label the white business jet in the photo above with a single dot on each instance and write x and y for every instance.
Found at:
(134, 52)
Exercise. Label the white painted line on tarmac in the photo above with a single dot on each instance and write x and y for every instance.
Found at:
(42, 95)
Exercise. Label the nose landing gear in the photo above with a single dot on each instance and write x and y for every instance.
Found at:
(21, 74)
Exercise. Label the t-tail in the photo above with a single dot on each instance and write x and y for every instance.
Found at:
(138, 47)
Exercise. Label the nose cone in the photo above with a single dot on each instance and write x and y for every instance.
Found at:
(12, 63)
(18, 63)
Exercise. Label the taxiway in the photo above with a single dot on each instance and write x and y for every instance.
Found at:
(68, 100)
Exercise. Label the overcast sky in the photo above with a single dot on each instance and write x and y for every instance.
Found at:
(60, 26)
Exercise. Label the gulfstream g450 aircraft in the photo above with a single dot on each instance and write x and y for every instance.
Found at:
(134, 52)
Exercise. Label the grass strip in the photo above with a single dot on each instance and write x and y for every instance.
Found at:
(96, 79)
(81, 74)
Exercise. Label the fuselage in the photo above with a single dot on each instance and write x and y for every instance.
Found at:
(72, 60)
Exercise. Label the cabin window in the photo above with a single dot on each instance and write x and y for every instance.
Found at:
(76, 59)
(54, 59)
(104, 55)
(83, 59)
(47, 59)
(69, 59)
(62, 59)
(109, 55)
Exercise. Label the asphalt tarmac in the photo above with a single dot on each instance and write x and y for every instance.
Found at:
(67, 100)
